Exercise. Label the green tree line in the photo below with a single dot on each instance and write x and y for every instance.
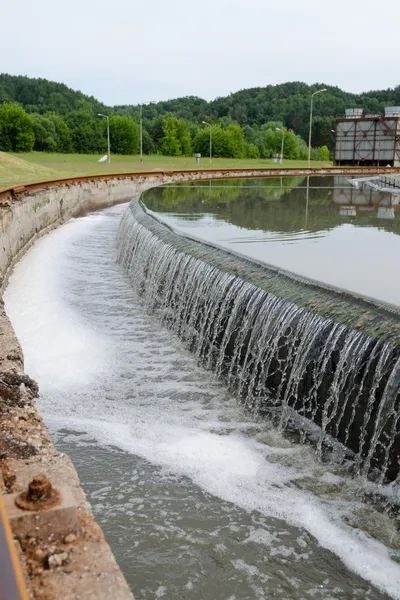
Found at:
(83, 131)
(65, 120)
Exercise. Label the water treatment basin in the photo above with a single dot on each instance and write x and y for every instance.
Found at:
(319, 227)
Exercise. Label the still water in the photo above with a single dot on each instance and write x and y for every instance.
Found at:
(198, 500)
(328, 231)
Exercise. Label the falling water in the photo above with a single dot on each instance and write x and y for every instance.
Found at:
(298, 367)
(196, 497)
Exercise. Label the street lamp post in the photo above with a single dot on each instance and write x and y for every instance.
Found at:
(309, 135)
(108, 134)
(141, 134)
(210, 126)
(283, 141)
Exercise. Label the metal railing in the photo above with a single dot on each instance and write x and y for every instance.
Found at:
(12, 579)
(13, 191)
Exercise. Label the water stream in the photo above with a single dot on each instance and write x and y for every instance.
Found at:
(198, 499)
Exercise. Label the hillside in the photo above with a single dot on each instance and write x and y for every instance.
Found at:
(287, 103)
(15, 170)
(41, 96)
(245, 122)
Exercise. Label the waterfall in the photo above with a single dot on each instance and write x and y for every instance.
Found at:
(281, 359)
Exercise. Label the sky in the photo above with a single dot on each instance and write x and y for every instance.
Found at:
(130, 51)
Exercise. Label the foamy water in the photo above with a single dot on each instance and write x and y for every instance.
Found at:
(119, 393)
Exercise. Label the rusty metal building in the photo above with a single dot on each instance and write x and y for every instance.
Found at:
(369, 140)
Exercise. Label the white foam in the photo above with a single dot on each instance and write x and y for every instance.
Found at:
(59, 348)
(79, 366)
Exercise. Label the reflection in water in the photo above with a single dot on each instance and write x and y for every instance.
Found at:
(362, 197)
(319, 227)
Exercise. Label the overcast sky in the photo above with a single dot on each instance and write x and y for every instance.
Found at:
(130, 51)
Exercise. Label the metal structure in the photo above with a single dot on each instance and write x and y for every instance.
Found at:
(368, 140)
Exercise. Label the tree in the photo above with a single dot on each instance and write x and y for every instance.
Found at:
(16, 128)
(148, 144)
(88, 134)
(252, 151)
(322, 131)
(235, 145)
(321, 153)
(46, 138)
(291, 146)
(176, 139)
(42, 96)
(124, 135)
(184, 138)
(170, 145)
(272, 106)
(219, 141)
(63, 132)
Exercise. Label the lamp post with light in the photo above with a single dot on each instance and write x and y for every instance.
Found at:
(108, 133)
(309, 135)
(141, 134)
(283, 141)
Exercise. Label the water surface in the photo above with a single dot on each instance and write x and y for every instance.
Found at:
(324, 228)
(197, 500)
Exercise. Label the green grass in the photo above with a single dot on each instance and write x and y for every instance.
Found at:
(31, 166)
(13, 169)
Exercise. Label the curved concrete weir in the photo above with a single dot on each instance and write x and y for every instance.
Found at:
(287, 346)
(27, 447)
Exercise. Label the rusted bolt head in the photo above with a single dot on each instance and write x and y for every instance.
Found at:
(39, 488)
(40, 495)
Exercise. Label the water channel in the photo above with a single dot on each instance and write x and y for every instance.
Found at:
(197, 499)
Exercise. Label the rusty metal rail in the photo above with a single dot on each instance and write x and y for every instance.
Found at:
(11, 192)
(12, 580)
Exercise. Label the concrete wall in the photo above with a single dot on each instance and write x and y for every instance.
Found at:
(24, 220)
(27, 215)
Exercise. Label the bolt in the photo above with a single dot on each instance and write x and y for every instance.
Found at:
(40, 495)
(39, 488)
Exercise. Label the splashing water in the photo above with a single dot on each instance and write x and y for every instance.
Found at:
(196, 498)
(280, 358)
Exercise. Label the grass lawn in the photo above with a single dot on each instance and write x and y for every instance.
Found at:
(31, 166)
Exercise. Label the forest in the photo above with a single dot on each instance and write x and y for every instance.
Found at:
(50, 117)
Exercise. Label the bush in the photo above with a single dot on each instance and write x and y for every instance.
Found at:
(16, 129)
(252, 151)
(124, 135)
